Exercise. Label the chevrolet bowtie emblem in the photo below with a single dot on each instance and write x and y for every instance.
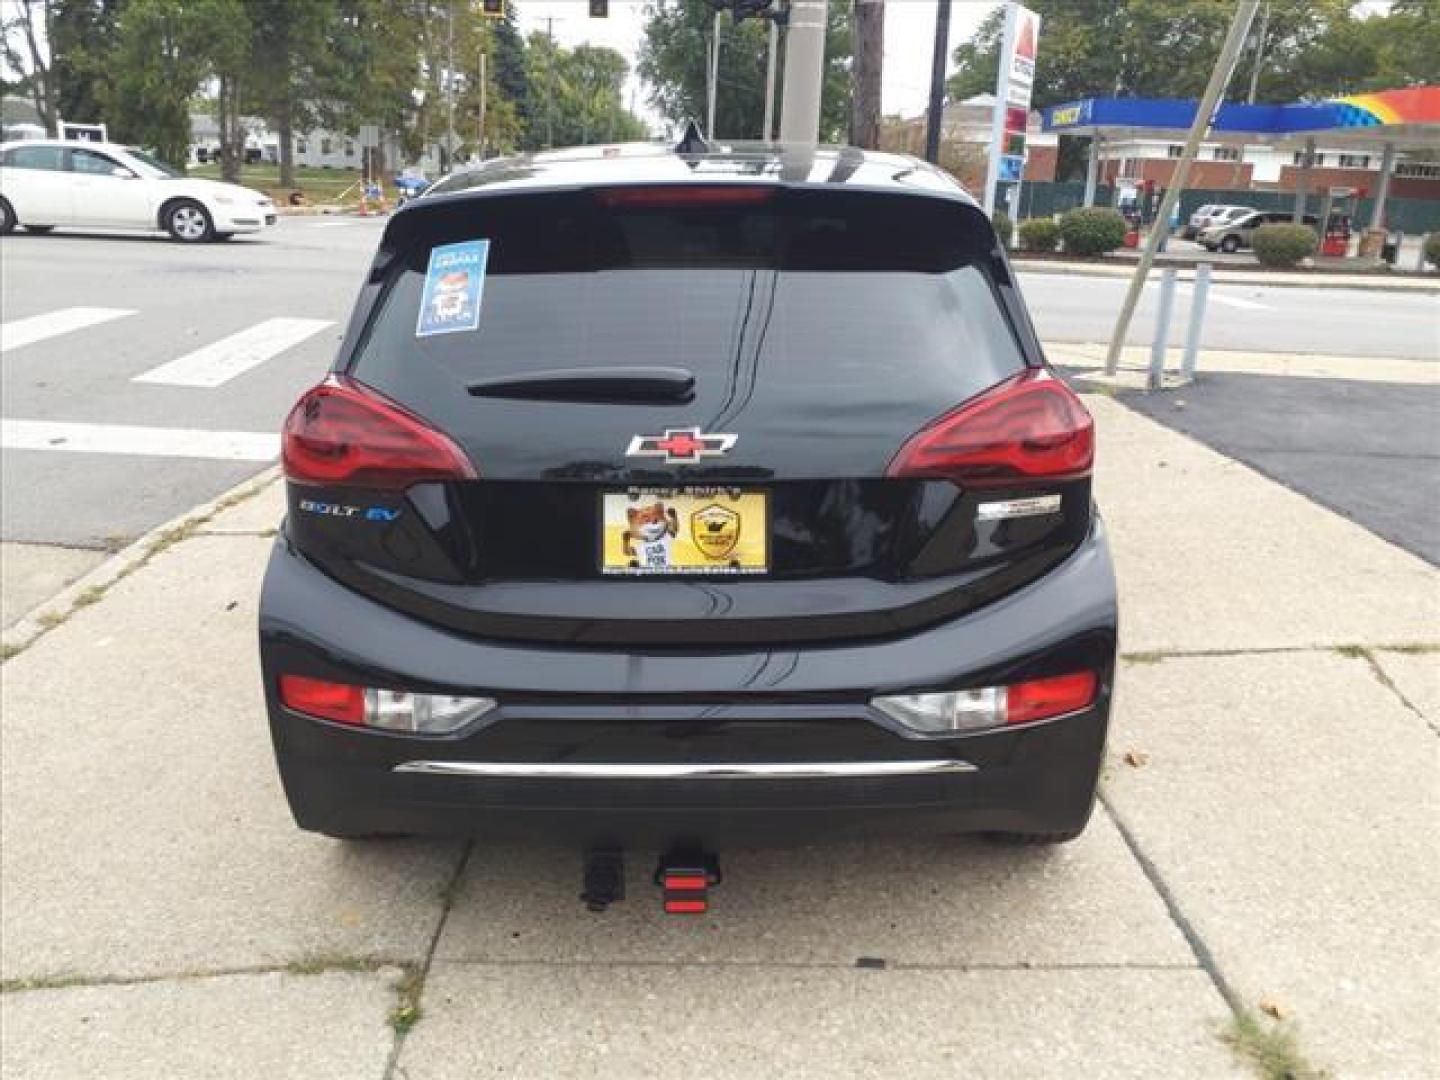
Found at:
(680, 446)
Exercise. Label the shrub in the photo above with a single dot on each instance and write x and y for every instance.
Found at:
(1039, 234)
(1092, 230)
(1004, 228)
(1432, 249)
(1283, 244)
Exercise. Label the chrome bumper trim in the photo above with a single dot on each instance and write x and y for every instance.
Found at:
(730, 770)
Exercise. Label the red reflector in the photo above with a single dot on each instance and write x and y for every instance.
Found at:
(685, 883)
(343, 432)
(328, 700)
(1027, 428)
(685, 195)
(1043, 698)
(686, 907)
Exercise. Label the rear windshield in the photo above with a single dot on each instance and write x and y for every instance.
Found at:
(842, 290)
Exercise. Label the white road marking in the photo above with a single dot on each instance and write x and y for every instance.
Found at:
(144, 441)
(219, 362)
(54, 323)
(1221, 298)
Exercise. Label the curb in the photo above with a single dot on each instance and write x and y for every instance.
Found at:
(1404, 286)
(50, 613)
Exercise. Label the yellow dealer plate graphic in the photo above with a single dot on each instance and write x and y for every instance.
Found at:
(677, 531)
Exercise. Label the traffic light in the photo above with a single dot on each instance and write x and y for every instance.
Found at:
(599, 9)
(492, 9)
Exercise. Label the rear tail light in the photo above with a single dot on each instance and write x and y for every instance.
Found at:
(1026, 429)
(958, 712)
(387, 710)
(344, 433)
(683, 195)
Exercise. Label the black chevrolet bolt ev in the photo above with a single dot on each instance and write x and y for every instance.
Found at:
(662, 496)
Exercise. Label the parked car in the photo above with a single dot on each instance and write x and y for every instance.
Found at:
(45, 183)
(1211, 215)
(678, 497)
(1232, 236)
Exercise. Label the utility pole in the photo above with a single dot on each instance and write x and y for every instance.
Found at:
(480, 127)
(1259, 54)
(869, 24)
(1204, 114)
(935, 113)
(550, 85)
(804, 72)
(450, 86)
(768, 131)
(713, 83)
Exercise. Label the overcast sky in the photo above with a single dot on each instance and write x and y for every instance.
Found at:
(909, 40)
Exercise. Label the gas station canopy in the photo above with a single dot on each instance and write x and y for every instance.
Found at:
(1407, 119)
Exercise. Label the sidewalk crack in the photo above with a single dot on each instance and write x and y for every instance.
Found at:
(1198, 948)
(407, 1012)
(1383, 678)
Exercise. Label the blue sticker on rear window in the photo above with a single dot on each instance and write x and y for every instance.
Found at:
(454, 283)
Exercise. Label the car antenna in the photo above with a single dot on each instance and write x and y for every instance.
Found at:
(692, 142)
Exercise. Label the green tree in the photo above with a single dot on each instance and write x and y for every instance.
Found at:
(289, 56)
(672, 61)
(1166, 48)
(27, 62)
(83, 35)
(576, 95)
(160, 59)
(1407, 45)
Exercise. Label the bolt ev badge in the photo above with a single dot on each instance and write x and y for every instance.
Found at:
(680, 446)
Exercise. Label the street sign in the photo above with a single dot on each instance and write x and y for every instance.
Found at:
(1012, 167)
(369, 136)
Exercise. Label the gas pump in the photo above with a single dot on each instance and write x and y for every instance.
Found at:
(1337, 215)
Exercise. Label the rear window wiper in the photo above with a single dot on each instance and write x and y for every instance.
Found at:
(595, 384)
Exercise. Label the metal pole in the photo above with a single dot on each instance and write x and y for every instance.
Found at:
(714, 79)
(550, 85)
(1092, 171)
(804, 72)
(1302, 183)
(1219, 78)
(768, 131)
(1382, 189)
(935, 113)
(1259, 54)
(1197, 321)
(484, 88)
(1156, 378)
(450, 87)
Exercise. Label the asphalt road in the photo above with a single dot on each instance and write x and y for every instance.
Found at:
(1334, 322)
(116, 420)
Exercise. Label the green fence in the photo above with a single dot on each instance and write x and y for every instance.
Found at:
(1407, 215)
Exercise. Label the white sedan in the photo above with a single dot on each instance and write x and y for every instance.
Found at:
(46, 183)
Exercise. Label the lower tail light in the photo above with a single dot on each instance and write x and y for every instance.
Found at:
(387, 710)
(1030, 428)
(959, 712)
(344, 433)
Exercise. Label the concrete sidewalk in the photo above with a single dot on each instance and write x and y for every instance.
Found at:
(1265, 845)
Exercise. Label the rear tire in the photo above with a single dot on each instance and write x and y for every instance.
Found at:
(1230, 245)
(7, 217)
(189, 222)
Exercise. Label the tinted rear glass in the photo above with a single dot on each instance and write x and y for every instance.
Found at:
(815, 290)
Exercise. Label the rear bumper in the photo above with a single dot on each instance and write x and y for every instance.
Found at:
(607, 746)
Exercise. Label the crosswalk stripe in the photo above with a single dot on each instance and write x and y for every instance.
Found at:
(21, 332)
(219, 362)
(132, 439)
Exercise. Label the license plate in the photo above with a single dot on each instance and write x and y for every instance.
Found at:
(654, 532)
